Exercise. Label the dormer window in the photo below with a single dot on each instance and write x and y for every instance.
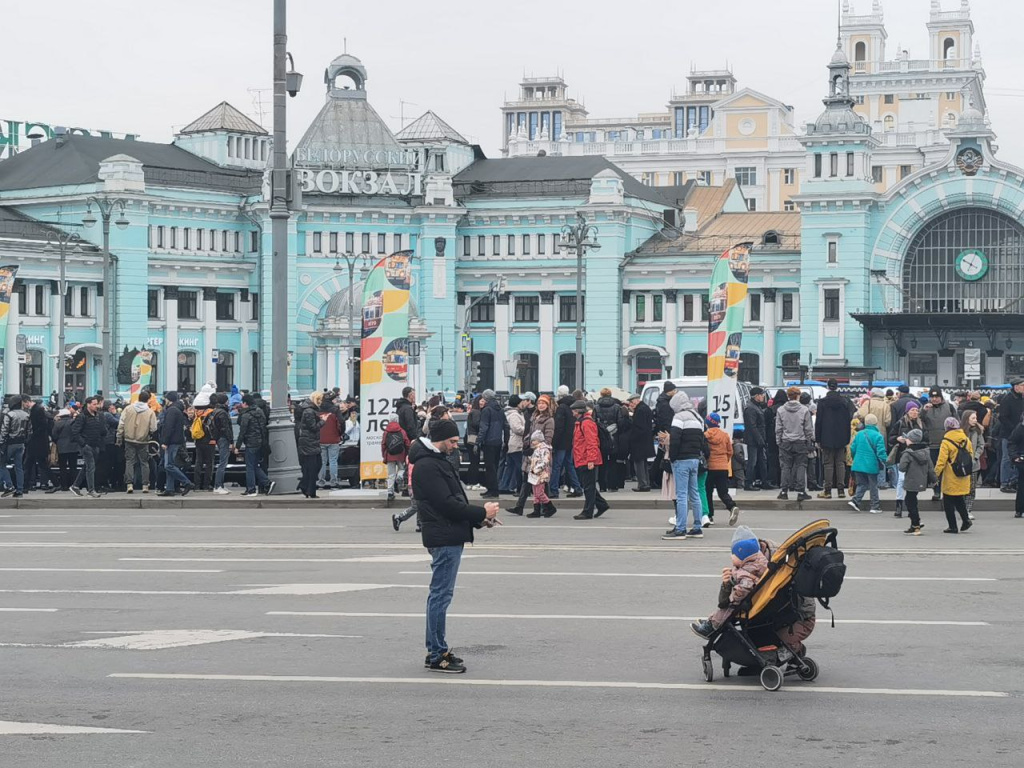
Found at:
(771, 237)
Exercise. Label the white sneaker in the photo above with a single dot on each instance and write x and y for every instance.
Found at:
(221, 491)
(705, 520)
(672, 520)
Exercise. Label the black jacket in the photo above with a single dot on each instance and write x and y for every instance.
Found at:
(1015, 443)
(899, 407)
(172, 431)
(607, 411)
(89, 429)
(62, 435)
(251, 424)
(1010, 410)
(308, 427)
(408, 420)
(111, 421)
(832, 424)
(446, 516)
(753, 424)
(663, 413)
(564, 423)
(641, 434)
(42, 425)
(492, 425)
(220, 424)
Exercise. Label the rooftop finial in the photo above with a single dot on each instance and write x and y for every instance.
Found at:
(344, 44)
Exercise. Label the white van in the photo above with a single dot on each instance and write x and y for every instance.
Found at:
(697, 388)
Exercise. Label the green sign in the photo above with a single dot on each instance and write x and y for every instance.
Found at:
(972, 265)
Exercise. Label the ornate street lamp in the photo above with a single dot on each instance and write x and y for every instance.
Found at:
(582, 238)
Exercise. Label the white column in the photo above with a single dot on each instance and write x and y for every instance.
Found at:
(207, 371)
(626, 377)
(502, 322)
(170, 366)
(322, 377)
(243, 358)
(774, 190)
(672, 330)
(12, 369)
(54, 375)
(768, 363)
(546, 373)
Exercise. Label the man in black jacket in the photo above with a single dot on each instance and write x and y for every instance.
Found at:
(172, 438)
(899, 407)
(663, 416)
(1009, 411)
(407, 419)
(832, 434)
(448, 520)
(561, 446)
(757, 443)
(89, 433)
(641, 441)
(224, 434)
(251, 425)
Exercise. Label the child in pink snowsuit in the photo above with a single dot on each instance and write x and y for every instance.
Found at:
(749, 564)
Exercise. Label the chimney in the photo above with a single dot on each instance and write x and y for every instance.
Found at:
(690, 220)
(60, 134)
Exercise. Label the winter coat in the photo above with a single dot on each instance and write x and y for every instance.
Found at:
(916, 463)
(881, 409)
(446, 517)
(545, 424)
(220, 425)
(308, 429)
(492, 425)
(565, 423)
(1010, 411)
(933, 418)
(901, 427)
(754, 424)
(251, 426)
(622, 434)
(408, 420)
(112, 422)
(607, 412)
(663, 413)
(516, 429)
(390, 429)
(330, 427)
(868, 449)
(977, 438)
(39, 421)
(472, 424)
(832, 424)
(745, 577)
(540, 464)
(719, 449)
(793, 423)
(898, 408)
(137, 424)
(686, 435)
(951, 484)
(172, 430)
(62, 435)
(586, 443)
(1015, 445)
(16, 427)
(641, 433)
(89, 430)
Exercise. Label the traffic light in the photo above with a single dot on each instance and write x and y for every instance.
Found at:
(474, 375)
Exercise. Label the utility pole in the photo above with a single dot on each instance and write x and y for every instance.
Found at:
(581, 238)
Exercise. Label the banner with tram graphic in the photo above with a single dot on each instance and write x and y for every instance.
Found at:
(142, 373)
(384, 365)
(727, 311)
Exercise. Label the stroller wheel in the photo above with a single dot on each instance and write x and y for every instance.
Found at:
(726, 668)
(771, 678)
(709, 671)
(809, 672)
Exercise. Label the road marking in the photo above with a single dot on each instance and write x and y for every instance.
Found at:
(110, 570)
(160, 639)
(737, 687)
(272, 589)
(34, 533)
(28, 610)
(161, 525)
(371, 559)
(612, 617)
(717, 576)
(11, 728)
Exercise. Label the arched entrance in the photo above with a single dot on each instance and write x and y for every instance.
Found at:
(644, 363)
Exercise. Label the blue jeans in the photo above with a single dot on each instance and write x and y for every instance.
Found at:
(255, 477)
(172, 471)
(445, 567)
(223, 444)
(512, 478)
(15, 454)
(866, 482)
(1007, 470)
(685, 473)
(563, 458)
(329, 460)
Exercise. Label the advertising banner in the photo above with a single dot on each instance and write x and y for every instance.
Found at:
(727, 311)
(142, 373)
(384, 366)
(7, 275)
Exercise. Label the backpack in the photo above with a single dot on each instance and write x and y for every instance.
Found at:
(820, 574)
(605, 438)
(394, 444)
(198, 429)
(962, 463)
(607, 417)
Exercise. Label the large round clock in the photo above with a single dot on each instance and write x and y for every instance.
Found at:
(972, 264)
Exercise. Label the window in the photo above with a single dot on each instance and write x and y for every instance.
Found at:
(350, 242)
(40, 300)
(160, 237)
(567, 309)
(486, 360)
(817, 166)
(69, 296)
(876, 174)
(317, 242)
(482, 312)
(905, 170)
(199, 239)
(153, 303)
(849, 163)
(527, 309)
(750, 367)
(186, 239)
(833, 251)
(528, 371)
(254, 241)
(658, 307)
(511, 245)
(32, 373)
(858, 100)
(704, 178)
(695, 364)
(365, 242)
(186, 371)
(254, 302)
(688, 307)
(238, 242)
(789, 176)
(705, 308)
(831, 305)
(225, 371)
(382, 243)
(332, 241)
(677, 178)
(787, 307)
(640, 308)
(22, 292)
(481, 245)
(948, 49)
(526, 245)
(789, 206)
(833, 164)
(187, 307)
(225, 306)
(888, 99)
(174, 238)
(256, 371)
(751, 204)
(83, 302)
(889, 124)
(746, 176)
(567, 370)
(755, 307)
(860, 55)
(213, 239)
(542, 244)
(496, 245)
(791, 361)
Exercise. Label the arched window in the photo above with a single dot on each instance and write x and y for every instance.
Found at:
(486, 360)
(567, 370)
(948, 49)
(750, 367)
(528, 372)
(186, 372)
(791, 361)
(225, 371)
(695, 364)
(860, 55)
(648, 368)
(889, 123)
(964, 261)
(771, 237)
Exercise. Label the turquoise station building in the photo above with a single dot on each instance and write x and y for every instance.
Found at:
(923, 282)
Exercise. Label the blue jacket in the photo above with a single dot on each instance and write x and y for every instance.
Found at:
(868, 451)
(492, 425)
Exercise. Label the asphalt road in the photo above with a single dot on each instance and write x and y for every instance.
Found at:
(294, 637)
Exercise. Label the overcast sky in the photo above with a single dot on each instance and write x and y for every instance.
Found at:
(151, 67)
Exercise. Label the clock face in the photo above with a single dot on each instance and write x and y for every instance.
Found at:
(972, 265)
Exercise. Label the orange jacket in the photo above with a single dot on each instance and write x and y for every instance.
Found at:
(721, 449)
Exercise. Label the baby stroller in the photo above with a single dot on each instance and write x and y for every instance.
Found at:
(807, 565)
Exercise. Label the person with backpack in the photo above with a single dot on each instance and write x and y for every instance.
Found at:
(607, 415)
(933, 418)
(915, 465)
(587, 457)
(220, 429)
(394, 448)
(206, 446)
(869, 458)
(14, 436)
(953, 469)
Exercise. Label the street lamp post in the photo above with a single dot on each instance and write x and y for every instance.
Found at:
(62, 239)
(351, 259)
(106, 207)
(581, 237)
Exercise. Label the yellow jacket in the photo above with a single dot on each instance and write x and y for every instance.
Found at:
(951, 484)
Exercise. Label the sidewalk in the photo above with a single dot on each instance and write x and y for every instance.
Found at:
(988, 500)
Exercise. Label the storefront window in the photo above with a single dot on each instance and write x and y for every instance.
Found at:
(186, 371)
(32, 373)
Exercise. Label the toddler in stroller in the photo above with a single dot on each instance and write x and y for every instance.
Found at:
(749, 564)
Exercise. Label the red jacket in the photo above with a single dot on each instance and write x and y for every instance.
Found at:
(390, 428)
(330, 428)
(586, 443)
